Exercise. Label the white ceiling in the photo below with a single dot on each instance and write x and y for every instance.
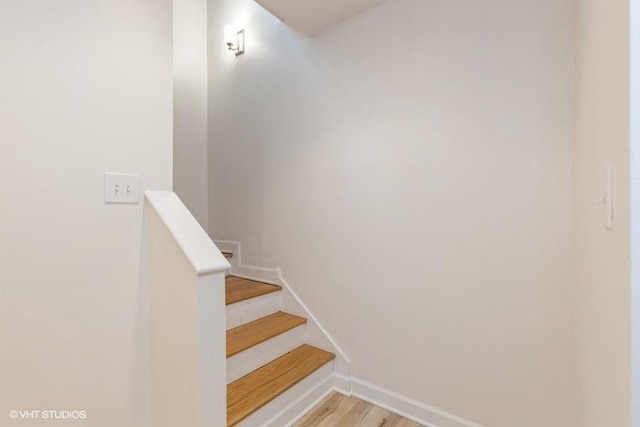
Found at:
(313, 16)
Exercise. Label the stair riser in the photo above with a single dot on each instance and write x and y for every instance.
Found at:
(253, 358)
(290, 404)
(252, 309)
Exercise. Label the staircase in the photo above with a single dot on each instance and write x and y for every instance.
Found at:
(226, 349)
(268, 362)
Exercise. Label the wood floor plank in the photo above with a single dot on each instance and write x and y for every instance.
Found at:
(355, 415)
(325, 409)
(239, 289)
(378, 417)
(251, 392)
(250, 334)
(341, 411)
(345, 407)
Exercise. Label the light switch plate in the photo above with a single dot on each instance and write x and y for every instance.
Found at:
(121, 188)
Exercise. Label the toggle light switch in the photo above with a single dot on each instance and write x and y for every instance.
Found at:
(121, 188)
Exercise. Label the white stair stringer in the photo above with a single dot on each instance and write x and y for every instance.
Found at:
(289, 302)
(293, 403)
(259, 355)
(247, 311)
(317, 335)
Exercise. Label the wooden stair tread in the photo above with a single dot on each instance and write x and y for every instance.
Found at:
(239, 289)
(250, 334)
(228, 254)
(253, 391)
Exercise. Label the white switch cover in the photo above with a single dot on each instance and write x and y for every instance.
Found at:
(121, 188)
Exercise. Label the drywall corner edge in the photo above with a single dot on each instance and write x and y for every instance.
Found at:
(634, 26)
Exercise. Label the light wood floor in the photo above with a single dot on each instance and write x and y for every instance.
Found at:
(338, 410)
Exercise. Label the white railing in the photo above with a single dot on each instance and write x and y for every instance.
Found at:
(187, 303)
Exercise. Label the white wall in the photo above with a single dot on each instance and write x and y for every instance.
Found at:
(86, 87)
(634, 13)
(602, 258)
(410, 170)
(190, 167)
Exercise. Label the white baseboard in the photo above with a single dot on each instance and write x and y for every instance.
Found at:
(326, 389)
(342, 384)
(250, 272)
(404, 406)
(321, 392)
(341, 380)
(303, 405)
(228, 246)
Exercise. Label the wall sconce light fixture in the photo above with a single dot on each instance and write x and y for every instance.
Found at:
(234, 39)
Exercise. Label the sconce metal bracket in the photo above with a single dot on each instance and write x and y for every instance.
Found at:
(239, 50)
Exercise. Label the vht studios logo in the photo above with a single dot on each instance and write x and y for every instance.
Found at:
(47, 415)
